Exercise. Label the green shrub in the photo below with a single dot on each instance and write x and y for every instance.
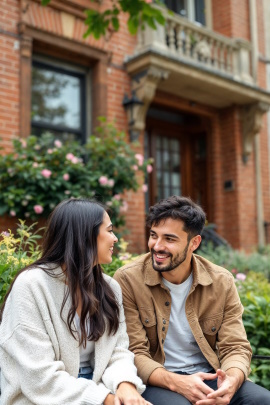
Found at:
(255, 296)
(41, 172)
(238, 261)
(16, 252)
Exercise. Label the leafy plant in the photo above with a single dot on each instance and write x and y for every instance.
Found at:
(16, 252)
(41, 172)
(140, 13)
(255, 296)
(238, 261)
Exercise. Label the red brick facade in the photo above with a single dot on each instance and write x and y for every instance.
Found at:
(27, 28)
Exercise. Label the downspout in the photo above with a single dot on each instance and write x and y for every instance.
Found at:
(257, 155)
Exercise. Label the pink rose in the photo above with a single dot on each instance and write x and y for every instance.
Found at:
(6, 234)
(12, 213)
(103, 180)
(144, 188)
(140, 158)
(46, 173)
(38, 209)
(23, 143)
(110, 182)
(66, 176)
(35, 164)
(124, 207)
(135, 168)
(57, 143)
(50, 151)
(70, 156)
(241, 276)
(149, 168)
(148, 1)
(117, 197)
(75, 160)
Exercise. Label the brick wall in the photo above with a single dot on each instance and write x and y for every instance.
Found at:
(233, 211)
(9, 72)
(50, 20)
(231, 18)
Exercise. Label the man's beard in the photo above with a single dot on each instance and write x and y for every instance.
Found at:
(174, 262)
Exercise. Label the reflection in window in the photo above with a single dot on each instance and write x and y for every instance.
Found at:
(58, 102)
(194, 10)
(167, 163)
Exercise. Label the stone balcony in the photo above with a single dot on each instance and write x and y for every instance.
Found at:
(191, 61)
(188, 42)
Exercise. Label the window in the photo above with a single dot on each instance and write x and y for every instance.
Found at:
(168, 167)
(194, 10)
(58, 101)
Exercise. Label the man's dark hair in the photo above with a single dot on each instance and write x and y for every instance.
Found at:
(181, 208)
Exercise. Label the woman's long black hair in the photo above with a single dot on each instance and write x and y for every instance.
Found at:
(70, 241)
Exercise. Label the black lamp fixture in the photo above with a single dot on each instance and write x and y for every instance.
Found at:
(131, 105)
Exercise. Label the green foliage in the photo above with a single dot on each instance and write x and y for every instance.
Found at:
(255, 296)
(16, 252)
(41, 172)
(140, 13)
(238, 261)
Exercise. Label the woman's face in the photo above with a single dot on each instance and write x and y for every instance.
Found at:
(105, 241)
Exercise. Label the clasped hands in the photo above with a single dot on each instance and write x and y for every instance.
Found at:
(197, 392)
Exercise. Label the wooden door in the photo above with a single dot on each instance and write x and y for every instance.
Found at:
(180, 163)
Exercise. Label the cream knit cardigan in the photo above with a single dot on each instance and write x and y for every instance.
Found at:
(39, 357)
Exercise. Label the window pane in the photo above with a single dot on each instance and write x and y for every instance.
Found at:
(63, 136)
(55, 98)
(200, 11)
(167, 160)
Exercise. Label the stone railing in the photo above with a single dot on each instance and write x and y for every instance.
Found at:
(188, 42)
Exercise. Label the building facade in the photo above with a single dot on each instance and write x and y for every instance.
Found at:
(203, 82)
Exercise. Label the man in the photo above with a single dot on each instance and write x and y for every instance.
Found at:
(184, 316)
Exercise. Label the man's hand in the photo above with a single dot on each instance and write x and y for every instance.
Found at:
(228, 383)
(191, 387)
(127, 394)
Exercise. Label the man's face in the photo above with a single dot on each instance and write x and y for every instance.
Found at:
(169, 245)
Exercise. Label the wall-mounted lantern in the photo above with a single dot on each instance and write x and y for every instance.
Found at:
(131, 105)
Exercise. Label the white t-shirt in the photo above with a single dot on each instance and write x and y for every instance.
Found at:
(90, 346)
(181, 349)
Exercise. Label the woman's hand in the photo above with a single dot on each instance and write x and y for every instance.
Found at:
(109, 400)
(126, 394)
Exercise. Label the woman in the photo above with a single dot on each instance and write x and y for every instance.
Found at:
(63, 337)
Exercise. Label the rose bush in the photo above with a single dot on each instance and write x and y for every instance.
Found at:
(41, 172)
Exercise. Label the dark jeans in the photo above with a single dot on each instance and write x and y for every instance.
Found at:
(86, 372)
(248, 394)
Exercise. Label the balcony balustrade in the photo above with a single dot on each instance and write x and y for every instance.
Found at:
(193, 44)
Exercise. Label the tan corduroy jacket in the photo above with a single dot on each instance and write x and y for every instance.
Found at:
(213, 310)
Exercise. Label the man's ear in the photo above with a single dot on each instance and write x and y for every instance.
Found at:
(195, 242)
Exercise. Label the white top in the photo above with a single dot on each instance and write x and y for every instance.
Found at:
(39, 357)
(85, 352)
(182, 352)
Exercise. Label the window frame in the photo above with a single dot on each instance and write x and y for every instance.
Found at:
(73, 71)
